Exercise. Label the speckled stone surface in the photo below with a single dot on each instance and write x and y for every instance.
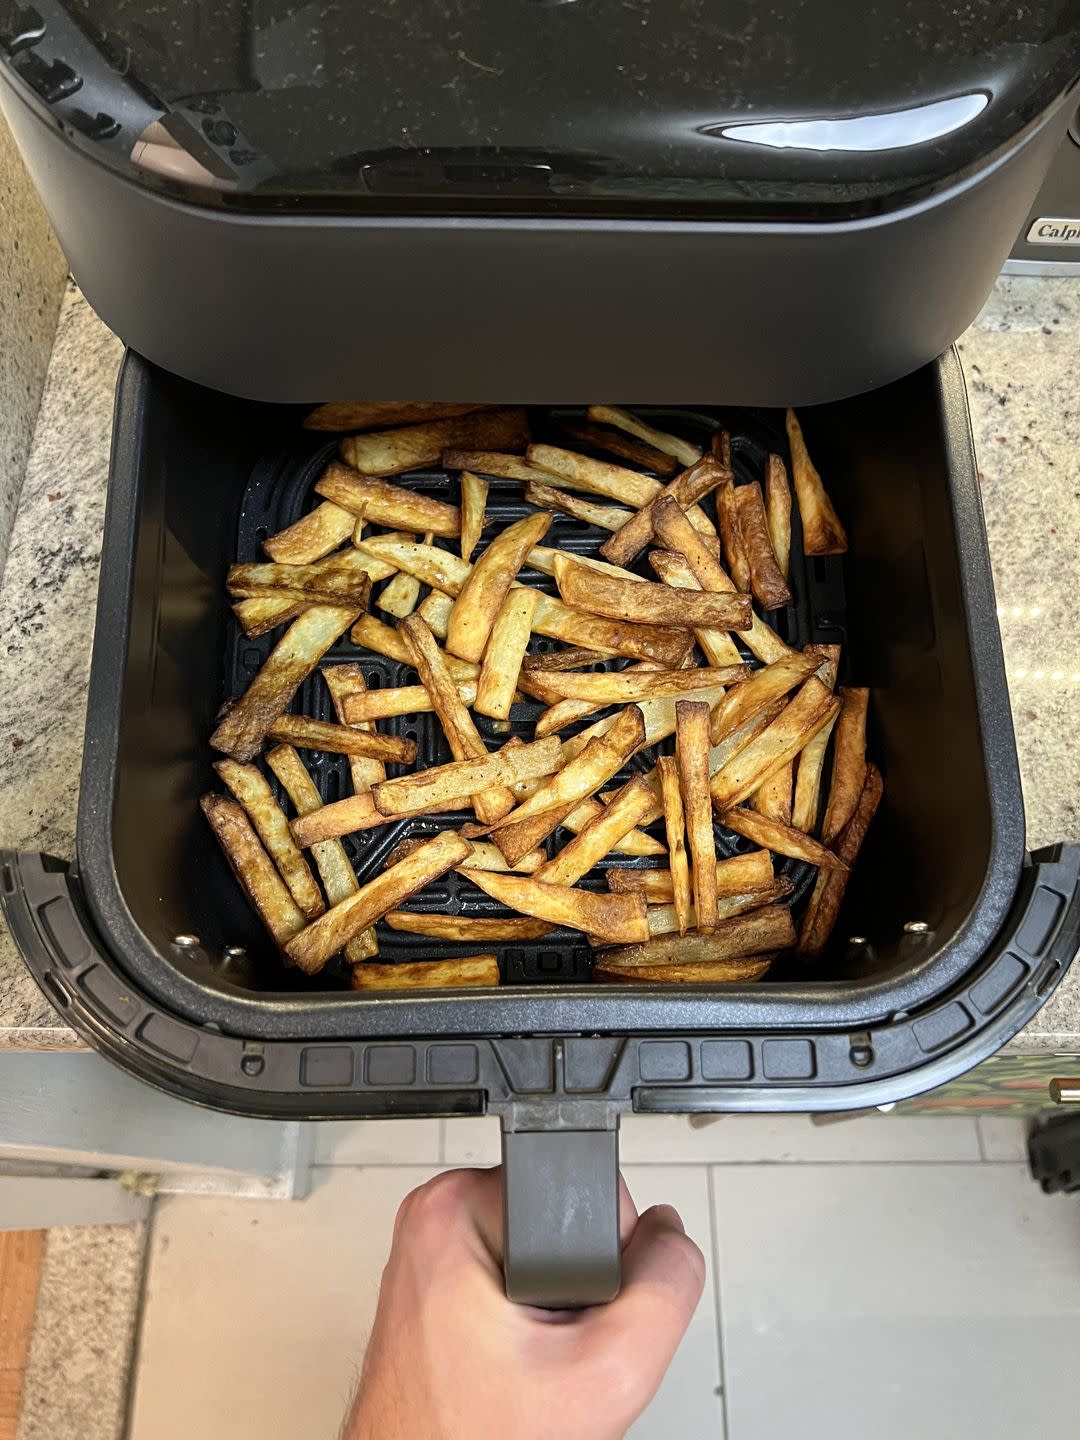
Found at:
(1019, 358)
(84, 1328)
(32, 272)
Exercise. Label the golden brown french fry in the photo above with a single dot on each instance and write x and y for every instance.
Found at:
(760, 639)
(824, 907)
(719, 755)
(599, 837)
(807, 802)
(618, 918)
(435, 613)
(343, 584)
(686, 489)
(400, 700)
(720, 447)
(480, 598)
(253, 868)
(735, 557)
(490, 462)
(567, 712)
(622, 446)
(469, 929)
(250, 788)
(485, 856)
(642, 602)
(663, 919)
(780, 742)
(772, 800)
(546, 497)
(332, 932)
(468, 972)
(781, 839)
(691, 972)
(504, 653)
(348, 816)
(244, 727)
(757, 693)
(344, 682)
(572, 658)
(311, 734)
(374, 635)
(683, 450)
(390, 452)
(766, 581)
(312, 536)
(849, 761)
(474, 492)
(380, 502)
(266, 612)
(416, 794)
(778, 511)
(830, 663)
(368, 415)
(737, 876)
(335, 869)
(598, 477)
(675, 827)
(754, 933)
(624, 687)
(823, 533)
(716, 645)
(692, 753)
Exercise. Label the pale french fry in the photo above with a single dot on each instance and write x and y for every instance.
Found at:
(348, 816)
(336, 871)
(624, 687)
(258, 876)
(516, 842)
(311, 734)
(766, 580)
(435, 613)
(474, 492)
(772, 800)
(849, 761)
(244, 727)
(759, 692)
(380, 502)
(760, 639)
(345, 583)
(663, 919)
(658, 714)
(781, 839)
(605, 517)
(692, 753)
(401, 700)
(469, 929)
(250, 788)
(504, 653)
(683, 450)
(480, 598)
(645, 603)
(754, 933)
(598, 477)
(778, 511)
(719, 755)
(266, 612)
(573, 658)
(675, 827)
(467, 973)
(374, 635)
(370, 415)
(823, 533)
(485, 856)
(599, 837)
(490, 462)
(344, 682)
(621, 445)
(400, 596)
(824, 907)
(807, 802)
(332, 932)
(634, 842)
(686, 489)
(567, 712)
(390, 452)
(417, 794)
(313, 536)
(618, 918)
(731, 540)
(780, 742)
(737, 876)
(741, 970)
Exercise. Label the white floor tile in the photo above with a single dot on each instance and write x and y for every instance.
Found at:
(897, 1300)
(1003, 1138)
(765, 1139)
(469, 1141)
(378, 1142)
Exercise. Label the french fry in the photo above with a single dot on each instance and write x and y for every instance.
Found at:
(741, 970)
(468, 972)
(250, 788)
(383, 413)
(605, 517)
(597, 839)
(480, 598)
(778, 511)
(392, 451)
(663, 919)
(731, 540)
(683, 451)
(351, 815)
(762, 641)
(266, 612)
(338, 876)
(567, 712)
(312, 536)
(372, 634)
(719, 755)
(345, 584)
(781, 839)
(824, 907)
(645, 603)
(258, 876)
(598, 477)
(686, 489)
(485, 856)
(344, 682)
(780, 742)
(380, 502)
(399, 598)
(772, 800)
(401, 700)
(474, 492)
(720, 447)
(417, 794)
(692, 752)
(667, 769)
(807, 802)
(830, 663)
(490, 462)
(244, 727)
(737, 876)
(823, 533)
(622, 446)
(716, 645)
(573, 658)
(618, 918)
(331, 932)
(504, 653)
(759, 692)
(435, 613)
(624, 687)
(849, 762)
(755, 933)
(311, 734)
(766, 580)
(469, 929)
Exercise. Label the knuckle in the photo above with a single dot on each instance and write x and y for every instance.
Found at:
(435, 1202)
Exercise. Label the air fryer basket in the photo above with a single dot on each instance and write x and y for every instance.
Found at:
(198, 478)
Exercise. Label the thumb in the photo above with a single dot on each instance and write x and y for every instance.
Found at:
(663, 1275)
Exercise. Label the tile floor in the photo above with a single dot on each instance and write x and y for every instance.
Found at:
(880, 1275)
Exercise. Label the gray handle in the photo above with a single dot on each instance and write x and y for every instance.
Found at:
(561, 1193)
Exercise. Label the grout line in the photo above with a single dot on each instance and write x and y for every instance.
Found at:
(136, 1339)
(485, 1162)
(979, 1141)
(714, 1240)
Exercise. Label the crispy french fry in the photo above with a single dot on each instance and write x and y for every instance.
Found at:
(572, 658)
(312, 536)
(716, 645)
(824, 907)
(682, 450)
(417, 794)
(760, 639)
(781, 839)
(568, 712)
(737, 876)
(435, 613)
(344, 682)
(645, 603)
(253, 868)
(605, 517)
(474, 492)
(469, 929)
(374, 635)
(331, 932)
(310, 734)
(780, 742)
(849, 761)
(663, 919)
(667, 769)
(490, 462)
(766, 580)
(807, 802)
(244, 727)
(754, 933)
(349, 816)
(468, 972)
(504, 654)
(598, 477)
(772, 800)
(778, 511)
(621, 445)
(481, 597)
(691, 972)
(731, 540)
(830, 663)
(618, 918)
(383, 413)
(823, 533)
(392, 451)
(485, 856)
(686, 489)
(266, 612)
(250, 788)
(380, 502)
(759, 692)
(719, 755)
(692, 752)
(624, 687)
(597, 839)
(344, 584)
(400, 700)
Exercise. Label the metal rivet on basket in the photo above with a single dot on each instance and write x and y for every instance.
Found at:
(252, 1064)
(186, 942)
(916, 927)
(858, 940)
(235, 952)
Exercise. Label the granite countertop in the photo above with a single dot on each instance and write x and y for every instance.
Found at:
(1019, 359)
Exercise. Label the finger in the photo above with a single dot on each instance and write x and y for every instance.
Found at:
(663, 1275)
(628, 1215)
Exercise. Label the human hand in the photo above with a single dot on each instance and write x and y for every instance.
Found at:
(450, 1358)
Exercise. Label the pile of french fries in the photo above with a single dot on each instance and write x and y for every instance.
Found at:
(687, 654)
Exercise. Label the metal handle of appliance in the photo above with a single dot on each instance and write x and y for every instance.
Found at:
(561, 1205)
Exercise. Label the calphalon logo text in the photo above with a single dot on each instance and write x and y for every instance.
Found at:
(1054, 230)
